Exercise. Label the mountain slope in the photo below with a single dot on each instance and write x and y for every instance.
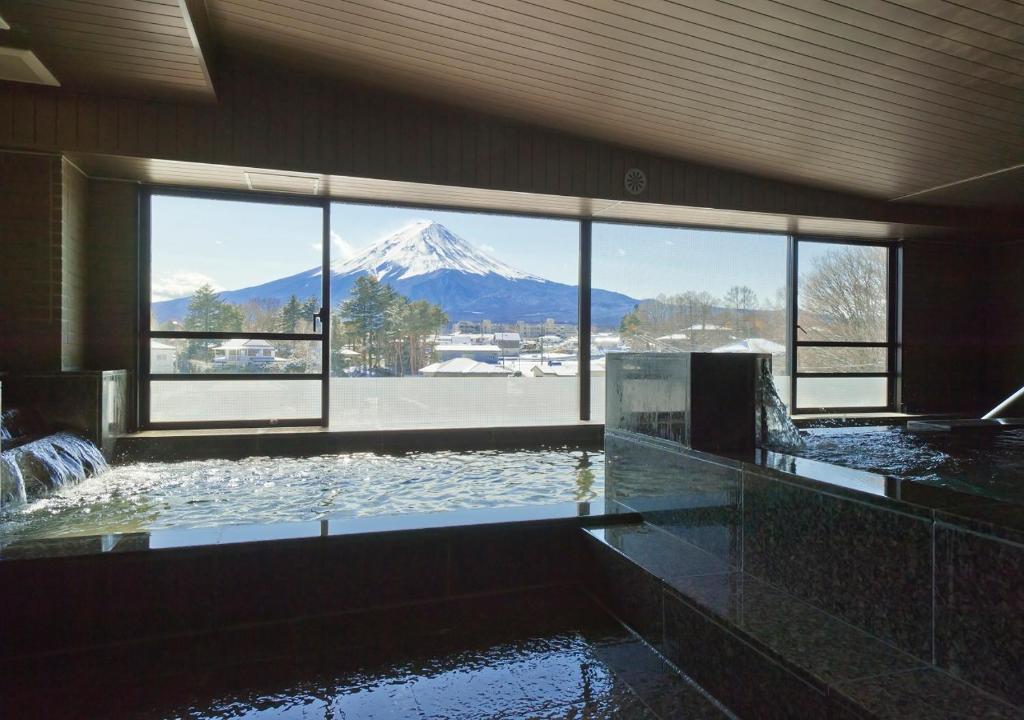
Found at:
(426, 261)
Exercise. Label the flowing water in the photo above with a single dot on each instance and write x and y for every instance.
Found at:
(987, 464)
(151, 496)
(42, 466)
(779, 431)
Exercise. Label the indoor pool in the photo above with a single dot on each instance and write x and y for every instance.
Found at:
(193, 494)
(990, 464)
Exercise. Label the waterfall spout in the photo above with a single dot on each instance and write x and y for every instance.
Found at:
(41, 466)
(779, 431)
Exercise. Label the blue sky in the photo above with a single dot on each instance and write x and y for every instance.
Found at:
(237, 244)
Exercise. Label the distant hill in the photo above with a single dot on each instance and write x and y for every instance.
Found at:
(426, 261)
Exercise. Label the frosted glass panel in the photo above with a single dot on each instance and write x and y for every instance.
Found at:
(227, 400)
(841, 392)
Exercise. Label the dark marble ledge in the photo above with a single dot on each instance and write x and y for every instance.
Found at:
(578, 514)
(659, 553)
(731, 461)
(174, 445)
(816, 646)
(928, 694)
(989, 518)
(812, 644)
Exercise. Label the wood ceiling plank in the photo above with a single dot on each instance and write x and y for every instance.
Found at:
(145, 47)
(572, 69)
(924, 52)
(731, 154)
(126, 9)
(804, 61)
(387, 47)
(38, 13)
(940, 151)
(652, 49)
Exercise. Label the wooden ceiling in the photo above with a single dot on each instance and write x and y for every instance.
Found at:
(882, 97)
(358, 189)
(150, 48)
(920, 100)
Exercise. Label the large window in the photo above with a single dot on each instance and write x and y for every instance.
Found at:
(452, 319)
(674, 290)
(440, 318)
(843, 327)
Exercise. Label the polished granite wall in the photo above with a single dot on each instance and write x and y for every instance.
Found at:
(71, 593)
(94, 404)
(938, 578)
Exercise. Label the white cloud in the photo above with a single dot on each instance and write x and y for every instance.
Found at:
(341, 249)
(180, 284)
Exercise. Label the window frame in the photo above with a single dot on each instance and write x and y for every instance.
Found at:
(585, 259)
(891, 343)
(146, 333)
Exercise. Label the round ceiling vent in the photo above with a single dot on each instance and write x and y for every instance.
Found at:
(636, 181)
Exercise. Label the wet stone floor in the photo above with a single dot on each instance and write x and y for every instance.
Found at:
(570, 662)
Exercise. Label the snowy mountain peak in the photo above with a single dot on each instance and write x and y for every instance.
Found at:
(421, 248)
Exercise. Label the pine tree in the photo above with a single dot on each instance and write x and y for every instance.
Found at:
(291, 315)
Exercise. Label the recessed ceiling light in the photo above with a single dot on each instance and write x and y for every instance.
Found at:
(281, 182)
(20, 65)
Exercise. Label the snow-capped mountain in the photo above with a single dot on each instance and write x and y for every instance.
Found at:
(421, 248)
(426, 261)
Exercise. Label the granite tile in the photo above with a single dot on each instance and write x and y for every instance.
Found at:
(663, 555)
(678, 490)
(748, 682)
(925, 694)
(979, 610)
(360, 572)
(503, 558)
(667, 693)
(628, 590)
(817, 646)
(867, 565)
(989, 517)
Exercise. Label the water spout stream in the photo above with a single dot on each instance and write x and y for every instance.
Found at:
(779, 431)
(47, 464)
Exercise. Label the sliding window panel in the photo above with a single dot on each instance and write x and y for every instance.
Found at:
(843, 292)
(234, 296)
(661, 289)
(842, 359)
(452, 319)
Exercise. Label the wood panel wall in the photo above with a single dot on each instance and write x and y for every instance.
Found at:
(273, 118)
(30, 264)
(74, 277)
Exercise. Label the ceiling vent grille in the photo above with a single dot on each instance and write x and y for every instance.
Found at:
(281, 182)
(20, 65)
(635, 181)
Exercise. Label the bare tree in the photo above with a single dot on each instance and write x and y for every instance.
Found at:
(843, 298)
(741, 301)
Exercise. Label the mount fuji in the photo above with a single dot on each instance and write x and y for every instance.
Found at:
(426, 261)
